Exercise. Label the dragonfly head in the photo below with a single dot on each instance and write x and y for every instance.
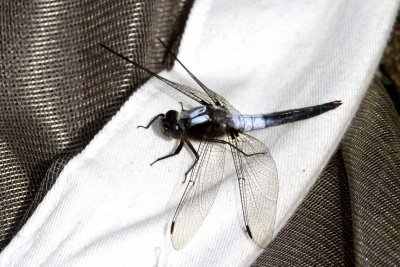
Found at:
(170, 126)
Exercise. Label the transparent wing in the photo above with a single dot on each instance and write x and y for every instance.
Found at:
(194, 94)
(200, 193)
(224, 103)
(200, 97)
(210, 94)
(207, 98)
(258, 184)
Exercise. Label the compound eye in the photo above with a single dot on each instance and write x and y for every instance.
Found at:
(164, 130)
(164, 125)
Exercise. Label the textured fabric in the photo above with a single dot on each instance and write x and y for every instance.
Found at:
(87, 176)
(372, 156)
(390, 68)
(328, 231)
(58, 88)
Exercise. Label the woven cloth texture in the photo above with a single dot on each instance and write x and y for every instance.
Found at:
(57, 89)
(389, 72)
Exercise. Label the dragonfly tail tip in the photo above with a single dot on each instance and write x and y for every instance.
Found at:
(249, 232)
(336, 103)
(172, 227)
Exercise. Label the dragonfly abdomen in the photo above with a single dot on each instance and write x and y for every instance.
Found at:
(249, 123)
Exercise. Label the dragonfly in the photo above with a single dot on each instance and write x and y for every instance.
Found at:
(217, 126)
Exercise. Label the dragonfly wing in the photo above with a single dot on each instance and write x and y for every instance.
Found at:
(211, 98)
(194, 94)
(216, 99)
(258, 185)
(207, 98)
(224, 103)
(200, 193)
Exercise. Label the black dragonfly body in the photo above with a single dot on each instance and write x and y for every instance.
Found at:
(216, 124)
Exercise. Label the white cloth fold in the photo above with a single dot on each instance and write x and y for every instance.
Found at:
(110, 208)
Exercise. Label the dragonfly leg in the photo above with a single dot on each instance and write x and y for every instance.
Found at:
(195, 161)
(235, 147)
(182, 109)
(151, 122)
(176, 152)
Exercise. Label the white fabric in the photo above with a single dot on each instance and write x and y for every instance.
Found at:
(110, 208)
